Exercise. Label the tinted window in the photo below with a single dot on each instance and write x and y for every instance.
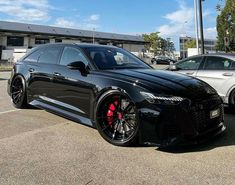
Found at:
(113, 58)
(217, 63)
(33, 57)
(72, 55)
(190, 64)
(15, 41)
(41, 41)
(50, 55)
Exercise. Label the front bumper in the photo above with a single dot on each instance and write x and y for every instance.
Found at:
(184, 124)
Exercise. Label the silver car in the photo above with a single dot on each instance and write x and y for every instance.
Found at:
(218, 70)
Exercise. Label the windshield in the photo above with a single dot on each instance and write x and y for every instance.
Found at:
(114, 58)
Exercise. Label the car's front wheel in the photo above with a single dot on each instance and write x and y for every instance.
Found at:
(18, 92)
(117, 119)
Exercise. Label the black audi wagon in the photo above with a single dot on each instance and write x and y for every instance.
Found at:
(110, 89)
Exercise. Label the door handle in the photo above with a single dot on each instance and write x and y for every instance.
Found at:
(31, 70)
(189, 73)
(227, 74)
(57, 74)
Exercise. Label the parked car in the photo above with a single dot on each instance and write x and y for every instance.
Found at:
(162, 60)
(110, 89)
(218, 70)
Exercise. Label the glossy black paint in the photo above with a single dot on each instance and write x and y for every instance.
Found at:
(75, 95)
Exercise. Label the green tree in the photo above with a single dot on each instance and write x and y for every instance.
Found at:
(226, 27)
(153, 42)
(190, 44)
(157, 44)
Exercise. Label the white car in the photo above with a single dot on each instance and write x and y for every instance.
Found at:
(218, 70)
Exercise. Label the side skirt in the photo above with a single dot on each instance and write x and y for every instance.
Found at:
(63, 113)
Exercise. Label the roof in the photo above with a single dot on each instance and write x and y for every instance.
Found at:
(52, 30)
(226, 55)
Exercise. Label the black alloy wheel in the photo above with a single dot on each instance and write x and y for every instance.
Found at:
(18, 92)
(117, 120)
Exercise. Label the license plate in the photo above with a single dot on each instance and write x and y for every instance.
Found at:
(214, 113)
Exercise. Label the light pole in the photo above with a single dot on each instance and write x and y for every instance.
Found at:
(196, 24)
(93, 35)
(201, 27)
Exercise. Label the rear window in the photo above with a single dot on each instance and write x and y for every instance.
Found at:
(33, 57)
(50, 55)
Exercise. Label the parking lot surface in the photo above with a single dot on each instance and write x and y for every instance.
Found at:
(37, 147)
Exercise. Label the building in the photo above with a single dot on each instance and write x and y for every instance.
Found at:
(17, 38)
(209, 45)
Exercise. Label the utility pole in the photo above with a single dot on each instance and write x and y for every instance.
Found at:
(93, 35)
(196, 24)
(201, 27)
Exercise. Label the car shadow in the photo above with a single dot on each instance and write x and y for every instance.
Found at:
(3, 79)
(225, 139)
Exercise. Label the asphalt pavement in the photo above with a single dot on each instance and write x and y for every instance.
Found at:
(37, 147)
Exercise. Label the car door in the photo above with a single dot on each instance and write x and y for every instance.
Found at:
(189, 66)
(74, 90)
(218, 72)
(41, 74)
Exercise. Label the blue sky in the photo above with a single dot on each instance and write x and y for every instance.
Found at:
(172, 18)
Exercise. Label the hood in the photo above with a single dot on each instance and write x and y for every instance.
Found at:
(164, 82)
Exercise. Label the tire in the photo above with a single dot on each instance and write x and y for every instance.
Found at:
(232, 99)
(153, 61)
(117, 119)
(18, 92)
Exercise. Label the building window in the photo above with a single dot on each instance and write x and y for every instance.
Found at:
(41, 41)
(58, 40)
(15, 41)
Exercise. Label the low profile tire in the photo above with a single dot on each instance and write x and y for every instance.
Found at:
(232, 99)
(117, 120)
(18, 92)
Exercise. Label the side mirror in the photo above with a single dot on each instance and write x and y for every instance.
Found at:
(78, 65)
(173, 67)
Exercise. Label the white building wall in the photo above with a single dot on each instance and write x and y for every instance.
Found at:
(4, 41)
(68, 41)
(31, 41)
(52, 40)
(133, 47)
(26, 42)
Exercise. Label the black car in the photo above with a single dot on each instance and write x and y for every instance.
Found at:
(162, 60)
(112, 90)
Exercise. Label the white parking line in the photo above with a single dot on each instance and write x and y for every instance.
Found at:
(4, 112)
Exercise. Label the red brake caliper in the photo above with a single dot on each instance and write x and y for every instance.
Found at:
(110, 112)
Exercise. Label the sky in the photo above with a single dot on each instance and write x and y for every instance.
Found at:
(172, 18)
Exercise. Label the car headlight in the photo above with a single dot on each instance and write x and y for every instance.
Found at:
(161, 99)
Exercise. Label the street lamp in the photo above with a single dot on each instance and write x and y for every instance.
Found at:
(93, 35)
(196, 24)
(201, 27)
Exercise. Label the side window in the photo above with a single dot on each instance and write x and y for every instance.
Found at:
(190, 64)
(50, 55)
(71, 54)
(233, 65)
(33, 57)
(217, 63)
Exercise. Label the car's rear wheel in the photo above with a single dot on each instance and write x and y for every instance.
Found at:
(18, 92)
(117, 120)
(232, 99)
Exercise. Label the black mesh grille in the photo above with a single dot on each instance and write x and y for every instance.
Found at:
(201, 113)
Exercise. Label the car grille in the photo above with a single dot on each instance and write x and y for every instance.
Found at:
(201, 113)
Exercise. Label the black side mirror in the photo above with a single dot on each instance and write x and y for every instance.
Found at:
(78, 65)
